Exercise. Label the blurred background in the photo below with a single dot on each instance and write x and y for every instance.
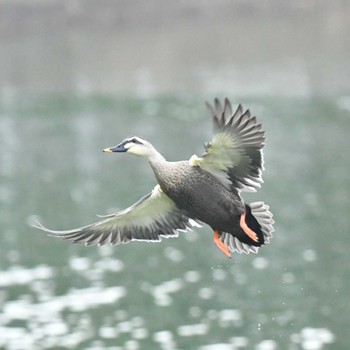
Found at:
(77, 76)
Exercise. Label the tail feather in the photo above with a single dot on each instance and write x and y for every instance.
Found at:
(261, 212)
(259, 219)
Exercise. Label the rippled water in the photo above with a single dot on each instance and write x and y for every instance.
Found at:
(181, 293)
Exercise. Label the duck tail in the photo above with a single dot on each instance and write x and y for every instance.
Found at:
(259, 219)
(257, 227)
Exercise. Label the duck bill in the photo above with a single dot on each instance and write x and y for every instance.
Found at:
(118, 148)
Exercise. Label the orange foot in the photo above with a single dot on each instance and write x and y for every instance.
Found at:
(249, 232)
(221, 245)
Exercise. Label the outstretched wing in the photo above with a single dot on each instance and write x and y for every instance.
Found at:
(234, 154)
(153, 216)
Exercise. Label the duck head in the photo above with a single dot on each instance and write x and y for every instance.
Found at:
(134, 145)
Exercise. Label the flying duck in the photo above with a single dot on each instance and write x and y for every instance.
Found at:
(205, 189)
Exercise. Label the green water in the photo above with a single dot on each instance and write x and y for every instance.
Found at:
(181, 293)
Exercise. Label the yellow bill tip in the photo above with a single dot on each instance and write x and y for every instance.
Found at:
(107, 150)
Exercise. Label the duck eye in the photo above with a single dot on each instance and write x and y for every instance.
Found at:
(136, 141)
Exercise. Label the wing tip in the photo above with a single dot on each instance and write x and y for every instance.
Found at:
(224, 113)
(37, 225)
(210, 109)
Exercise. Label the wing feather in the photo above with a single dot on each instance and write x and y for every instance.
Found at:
(235, 150)
(150, 218)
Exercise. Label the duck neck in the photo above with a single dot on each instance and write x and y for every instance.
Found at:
(156, 159)
(157, 162)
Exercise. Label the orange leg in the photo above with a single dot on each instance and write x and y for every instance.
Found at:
(249, 232)
(221, 245)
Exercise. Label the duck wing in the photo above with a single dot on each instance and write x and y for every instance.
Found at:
(234, 155)
(150, 218)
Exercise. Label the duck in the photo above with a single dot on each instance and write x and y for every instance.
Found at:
(202, 190)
